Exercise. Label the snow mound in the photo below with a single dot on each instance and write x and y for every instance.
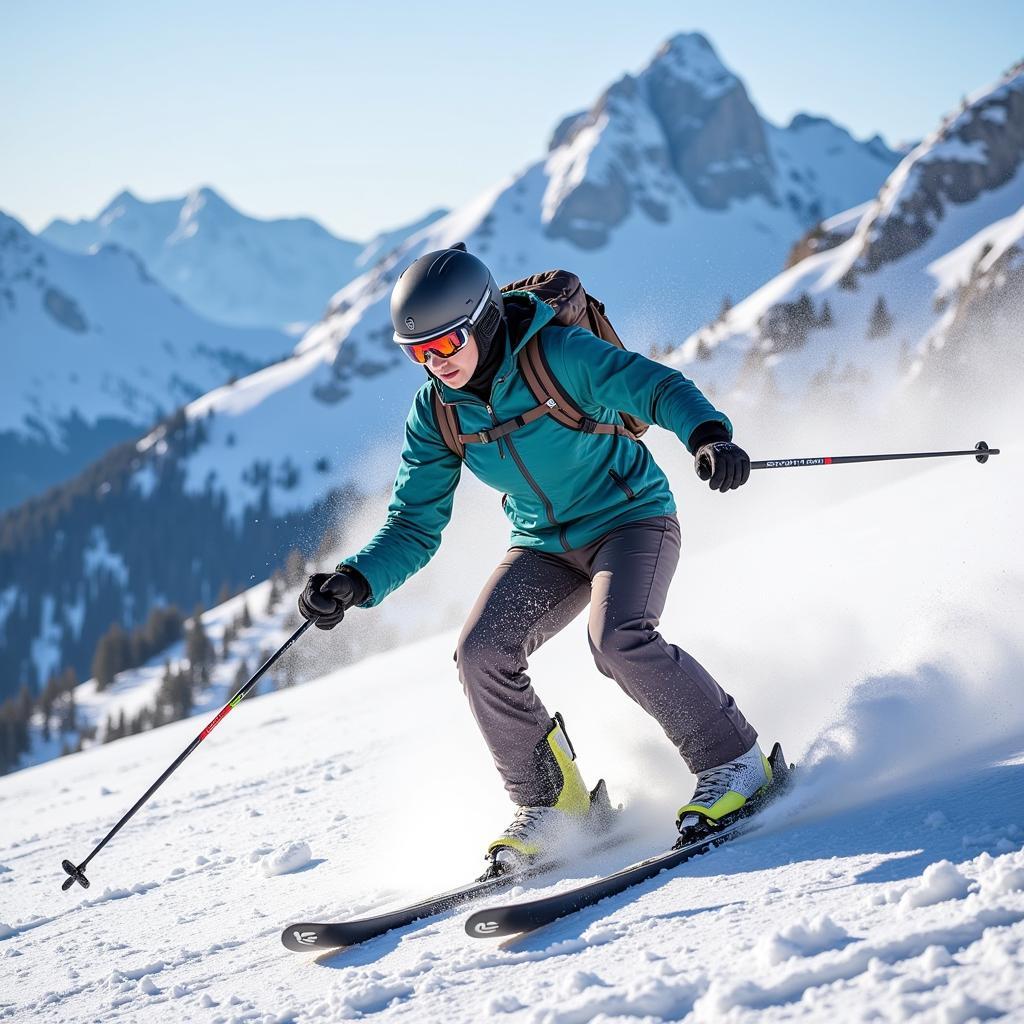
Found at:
(962, 1008)
(1003, 880)
(941, 881)
(372, 995)
(805, 938)
(286, 859)
(650, 998)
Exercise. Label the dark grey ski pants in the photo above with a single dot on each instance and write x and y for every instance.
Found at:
(531, 595)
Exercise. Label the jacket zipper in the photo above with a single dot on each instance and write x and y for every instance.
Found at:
(494, 421)
(540, 494)
(623, 486)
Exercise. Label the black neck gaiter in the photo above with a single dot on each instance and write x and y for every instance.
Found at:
(483, 376)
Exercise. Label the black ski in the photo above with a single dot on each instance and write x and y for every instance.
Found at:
(305, 936)
(517, 918)
(312, 935)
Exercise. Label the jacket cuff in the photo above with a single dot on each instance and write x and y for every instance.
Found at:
(363, 592)
(707, 433)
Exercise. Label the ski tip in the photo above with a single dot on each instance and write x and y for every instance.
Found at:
(481, 926)
(301, 938)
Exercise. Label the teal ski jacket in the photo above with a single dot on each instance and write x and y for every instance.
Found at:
(561, 488)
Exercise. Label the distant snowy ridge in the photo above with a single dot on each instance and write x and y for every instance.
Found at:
(921, 285)
(230, 267)
(95, 347)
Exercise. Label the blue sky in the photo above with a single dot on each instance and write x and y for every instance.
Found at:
(365, 116)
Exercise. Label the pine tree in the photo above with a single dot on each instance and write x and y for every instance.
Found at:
(726, 307)
(69, 680)
(825, 317)
(69, 717)
(198, 648)
(112, 655)
(880, 323)
(246, 619)
(45, 705)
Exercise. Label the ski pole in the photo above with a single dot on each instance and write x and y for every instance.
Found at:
(980, 451)
(77, 874)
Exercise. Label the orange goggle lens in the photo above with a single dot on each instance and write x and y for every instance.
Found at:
(443, 347)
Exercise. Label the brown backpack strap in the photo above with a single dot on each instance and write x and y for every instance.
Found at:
(599, 324)
(542, 384)
(501, 429)
(448, 425)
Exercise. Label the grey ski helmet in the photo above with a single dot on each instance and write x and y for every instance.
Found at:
(443, 290)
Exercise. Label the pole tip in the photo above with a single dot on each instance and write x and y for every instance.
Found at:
(75, 874)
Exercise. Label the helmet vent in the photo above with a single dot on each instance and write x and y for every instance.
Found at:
(488, 324)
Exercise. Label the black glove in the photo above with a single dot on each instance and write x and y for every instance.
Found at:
(328, 595)
(725, 465)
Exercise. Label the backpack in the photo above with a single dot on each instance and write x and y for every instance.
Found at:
(573, 307)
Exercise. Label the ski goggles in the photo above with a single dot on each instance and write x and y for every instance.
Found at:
(444, 346)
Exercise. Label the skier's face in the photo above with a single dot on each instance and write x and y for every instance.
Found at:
(457, 369)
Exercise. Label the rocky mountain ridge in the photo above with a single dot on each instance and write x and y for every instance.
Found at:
(921, 285)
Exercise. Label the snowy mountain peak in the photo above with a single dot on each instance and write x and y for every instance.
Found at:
(689, 57)
(206, 200)
(805, 120)
(123, 198)
(683, 132)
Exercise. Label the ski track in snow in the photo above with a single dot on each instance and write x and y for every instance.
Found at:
(888, 884)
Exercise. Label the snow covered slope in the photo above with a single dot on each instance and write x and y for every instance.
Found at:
(878, 637)
(93, 344)
(230, 267)
(921, 285)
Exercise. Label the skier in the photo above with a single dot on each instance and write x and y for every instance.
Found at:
(593, 522)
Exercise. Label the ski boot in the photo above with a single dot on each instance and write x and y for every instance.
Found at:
(536, 832)
(724, 793)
